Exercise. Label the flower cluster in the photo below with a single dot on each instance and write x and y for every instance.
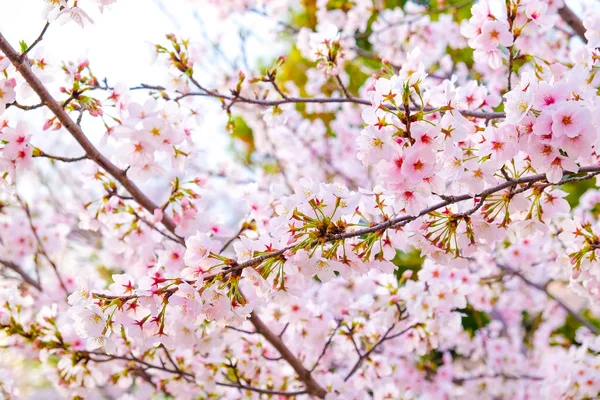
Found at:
(404, 207)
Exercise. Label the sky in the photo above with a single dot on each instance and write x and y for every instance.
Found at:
(125, 30)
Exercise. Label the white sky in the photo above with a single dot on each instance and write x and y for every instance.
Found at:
(125, 31)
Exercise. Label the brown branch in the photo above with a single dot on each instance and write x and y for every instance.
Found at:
(36, 41)
(321, 100)
(460, 381)
(186, 375)
(403, 220)
(399, 221)
(327, 344)
(40, 244)
(543, 288)
(152, 226)
(271, 78)
(17, 268)
(343, 87)
(147, 377)
(573, 21)
(262, 391)
(42, 154)
(111, 357)
(24, 107)
(386, 336)
(312, 387)
(363, 357)
(233, 328)
(75, 130)
(233, 238)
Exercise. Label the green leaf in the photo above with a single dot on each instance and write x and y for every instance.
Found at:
(461, 55)
(473, 319)
(242, 134)
(24, 46)
(577, 189)
(404, 261)
(569, 329)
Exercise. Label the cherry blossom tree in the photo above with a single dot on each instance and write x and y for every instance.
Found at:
(407, 208)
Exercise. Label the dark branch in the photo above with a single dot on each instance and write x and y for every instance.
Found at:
(39, 39)
(543, 288)
(573, 21)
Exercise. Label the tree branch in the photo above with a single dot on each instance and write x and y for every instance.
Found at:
(58, 158)
(39, 39)
(404, 219)
(573, 21)
(460, 381)
(327, 344)
(321, 100)
(75, 130)
(262, 391)
(304, 375)
(40, 244)
(17, 268)
(543, 288)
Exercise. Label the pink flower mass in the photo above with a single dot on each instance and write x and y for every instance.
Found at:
(340, 200)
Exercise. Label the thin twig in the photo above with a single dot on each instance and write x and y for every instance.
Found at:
(543, 288)
(342, 86)
(362, 357)
(60, 158)
(386, 336)
(460, 381)
(17, 268)
(40, 244)
(327, 344)
(39, 39)
(262, 391)
(320, 100)
(233, 238)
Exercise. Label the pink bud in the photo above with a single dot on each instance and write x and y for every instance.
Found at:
(575, 272)
(406, 275)
(47, 125)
